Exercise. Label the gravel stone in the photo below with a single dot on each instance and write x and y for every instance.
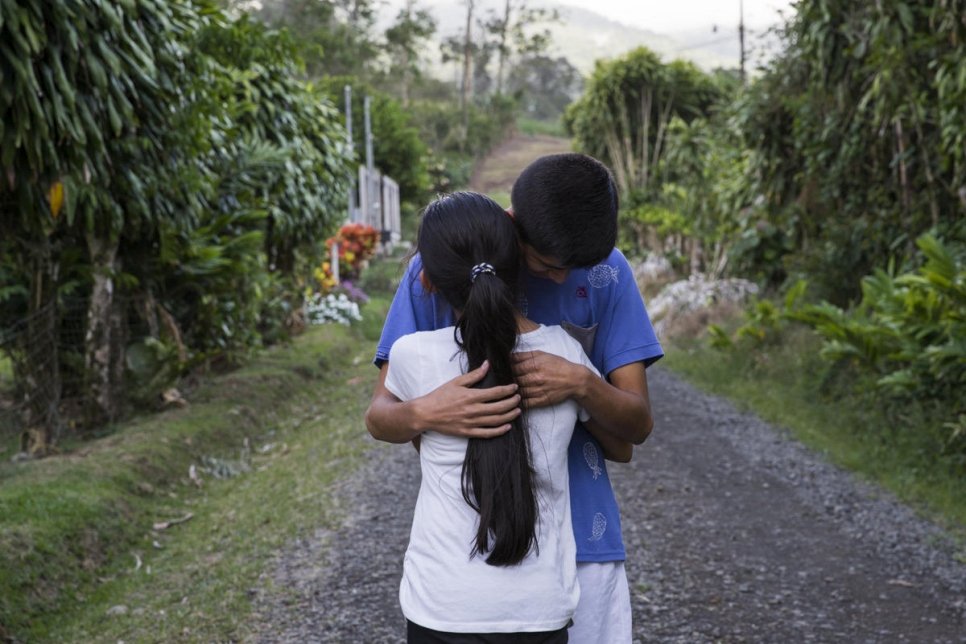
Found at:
(734, 533)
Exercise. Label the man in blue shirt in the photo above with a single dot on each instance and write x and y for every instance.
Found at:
(566, 210)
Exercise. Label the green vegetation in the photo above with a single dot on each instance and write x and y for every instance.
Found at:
(76, 533)
(157, 187)
(631, 115)
(166, 203)
(534, 127)
(855, 136)
(906, 341)
(841, 167)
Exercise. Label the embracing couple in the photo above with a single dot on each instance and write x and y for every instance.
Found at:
(514, 357)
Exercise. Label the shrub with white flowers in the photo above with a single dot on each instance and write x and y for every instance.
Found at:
(322, 309)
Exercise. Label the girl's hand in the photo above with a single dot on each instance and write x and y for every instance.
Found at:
(458, 409)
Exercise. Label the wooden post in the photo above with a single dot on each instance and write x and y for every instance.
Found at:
(334, 262)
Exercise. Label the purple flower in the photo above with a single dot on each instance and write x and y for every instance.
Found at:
(353, 292)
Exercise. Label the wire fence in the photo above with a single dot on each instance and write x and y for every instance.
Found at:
(44, 379)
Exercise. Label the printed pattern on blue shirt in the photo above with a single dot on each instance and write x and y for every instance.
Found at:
(602, 309)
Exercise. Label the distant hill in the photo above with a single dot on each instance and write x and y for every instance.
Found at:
(583, 36)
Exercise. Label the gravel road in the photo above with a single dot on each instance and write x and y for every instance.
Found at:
(735, 533)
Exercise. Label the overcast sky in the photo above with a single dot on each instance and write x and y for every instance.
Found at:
(671, 16)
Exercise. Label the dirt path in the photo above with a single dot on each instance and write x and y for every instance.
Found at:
(735, 533)
(500, 169)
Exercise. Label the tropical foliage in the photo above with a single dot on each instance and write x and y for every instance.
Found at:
(856, 134)
(908, 334)
(842, 159)
(171, 169)
(623, 115)
(172, 173)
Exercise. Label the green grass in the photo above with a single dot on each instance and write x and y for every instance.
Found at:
(788, 384)
(502, 197)
(73, 528)
(534, 127)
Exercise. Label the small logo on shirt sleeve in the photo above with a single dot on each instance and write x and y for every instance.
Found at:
(581, 291)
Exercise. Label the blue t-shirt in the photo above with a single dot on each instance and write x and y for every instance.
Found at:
(602, 309)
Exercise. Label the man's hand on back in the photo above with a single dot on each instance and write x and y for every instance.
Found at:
(547, 379)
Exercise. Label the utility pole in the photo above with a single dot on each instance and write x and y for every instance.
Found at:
(741, 37)
(351, 144)
(373, 185)
(370, 164)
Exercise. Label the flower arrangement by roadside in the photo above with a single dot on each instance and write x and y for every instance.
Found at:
(357, 243)
(339, 302)
(324, 309)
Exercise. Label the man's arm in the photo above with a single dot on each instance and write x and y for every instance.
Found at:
(614, 449)
(620, 408)
(454, 408)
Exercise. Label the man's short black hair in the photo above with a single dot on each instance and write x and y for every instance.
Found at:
(566, 206)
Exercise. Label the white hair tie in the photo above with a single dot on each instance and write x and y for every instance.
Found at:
(482, 267)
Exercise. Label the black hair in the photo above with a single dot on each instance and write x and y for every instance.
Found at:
(565, 206)
(458, 233)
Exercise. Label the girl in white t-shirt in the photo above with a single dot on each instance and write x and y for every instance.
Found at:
(491, 555)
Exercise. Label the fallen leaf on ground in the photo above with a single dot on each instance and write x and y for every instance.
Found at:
(164, 525)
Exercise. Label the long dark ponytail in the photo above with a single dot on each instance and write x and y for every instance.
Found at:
(459, 233)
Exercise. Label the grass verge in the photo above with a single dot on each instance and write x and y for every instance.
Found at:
(788, 383)
(84, 552)
(535, 127)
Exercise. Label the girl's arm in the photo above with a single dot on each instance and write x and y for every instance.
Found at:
(454, 408)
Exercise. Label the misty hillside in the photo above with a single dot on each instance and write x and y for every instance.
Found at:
(582, 36)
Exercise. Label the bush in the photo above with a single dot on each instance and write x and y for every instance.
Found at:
(908, 334)
(904, 344)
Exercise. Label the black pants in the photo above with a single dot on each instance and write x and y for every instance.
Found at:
(416, 634)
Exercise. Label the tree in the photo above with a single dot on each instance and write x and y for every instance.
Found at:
(147, 132)
(335, 36)
(545, 85)
(466, 87)
(857, 135)
(271, 105)
(513, 33)
(412, 28)
(626, 107)
(110, 145)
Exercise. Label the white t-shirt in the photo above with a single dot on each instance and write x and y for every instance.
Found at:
(445, 588)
